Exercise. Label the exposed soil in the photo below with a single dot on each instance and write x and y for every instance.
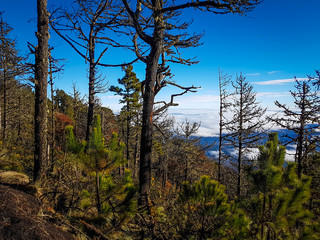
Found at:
(22, 218)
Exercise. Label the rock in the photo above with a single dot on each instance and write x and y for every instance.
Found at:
(13, 178)
(18, 181)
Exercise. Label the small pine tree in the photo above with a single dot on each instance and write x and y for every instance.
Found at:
(71, 142)
(114, 195)
(277, 207)
(111, 194)
(207, 214)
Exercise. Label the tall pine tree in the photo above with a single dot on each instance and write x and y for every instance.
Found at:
(129, 116)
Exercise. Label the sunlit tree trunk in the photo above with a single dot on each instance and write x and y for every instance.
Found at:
(41, 75)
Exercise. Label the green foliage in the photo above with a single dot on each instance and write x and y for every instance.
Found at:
(116, 148)
(129, 116)
(96, 141)
(71, 143)
(63, 103)
(132, 87)
(277, 207)
(207, 214)
(113, 194)
(270, 161)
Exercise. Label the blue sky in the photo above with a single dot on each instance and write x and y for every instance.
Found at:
(275, 42)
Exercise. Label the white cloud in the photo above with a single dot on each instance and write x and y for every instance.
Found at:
(197, 101)
(290, 154)
(200, 98)
(273, 72)
(214, 153)
(111, 97)
(279, 81)
(253, 74)
(273, 94)
(207, 117)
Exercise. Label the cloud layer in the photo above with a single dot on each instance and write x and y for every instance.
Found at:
(279, 81)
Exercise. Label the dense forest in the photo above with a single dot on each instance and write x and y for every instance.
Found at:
(136, 174)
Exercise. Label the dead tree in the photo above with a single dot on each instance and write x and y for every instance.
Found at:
(11, 67)
(224, 80)
(54, 67)
(246, 128)
(85, 29)
(302, 121)
(41, 75)
(159, 37)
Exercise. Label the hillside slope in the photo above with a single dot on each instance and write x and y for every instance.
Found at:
(21, 218)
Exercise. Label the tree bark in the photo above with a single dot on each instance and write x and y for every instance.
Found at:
(147, 126)
(240, 139)
(5, 101)
(52, 113)
(299, 151)
(41, 75)
(92, 69)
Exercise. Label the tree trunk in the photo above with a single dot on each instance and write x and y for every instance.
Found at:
(299, 151)
(5, 101)
(147, 126)
(98, 191)
(135, 153)
(220, 143)
(92, 79)
(128, 135)
(239, 169)
(52, 113)
(240, 139)
(19, 120)
(41, 75)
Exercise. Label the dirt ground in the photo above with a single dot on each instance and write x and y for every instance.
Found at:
(22, 217)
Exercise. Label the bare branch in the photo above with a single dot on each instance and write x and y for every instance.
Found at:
(222, 8)
(67, 40)
(171, 103)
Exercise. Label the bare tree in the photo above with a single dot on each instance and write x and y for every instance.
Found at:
(41, 75)
(11, 66)
(303, 120)
(224, 80)
(159, 37)
(246, 126)
(54, 67)
(85, 29)
(185, 130)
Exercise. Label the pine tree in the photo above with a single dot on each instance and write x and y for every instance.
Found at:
(109, 193)
(159, 36)
(103, 160)
(131, 97)
(205, 212)
(277, 206)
